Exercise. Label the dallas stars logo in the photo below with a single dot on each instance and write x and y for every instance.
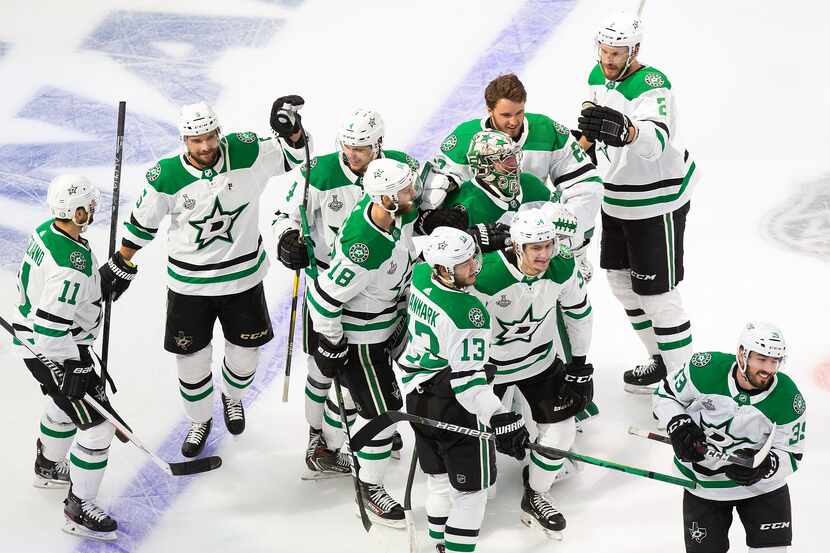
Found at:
(217, 225)
(721, 436)
(521, 330)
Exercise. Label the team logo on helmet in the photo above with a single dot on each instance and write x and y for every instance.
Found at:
(654, 80)
(799, 405)
(476, 317)
(72, 190)
(701, 359)
(561, 129)
(153, 173)
(246, 137)
(78, 260)
(359, 252)
(449, 143)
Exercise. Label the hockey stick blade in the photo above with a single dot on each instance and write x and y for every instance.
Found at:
(196, 466)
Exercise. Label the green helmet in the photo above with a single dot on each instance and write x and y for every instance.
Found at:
(495, 160)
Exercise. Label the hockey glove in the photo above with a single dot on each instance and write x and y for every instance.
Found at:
(491, 236)
(575, 392)
(605, 125)
(586, 268)
(329, 357)
(285, 116)
(511, 434)
(116, 276)
(687, 439)
(77, 376)
(431, 219)
(291, 251)
(747, 476)
(436, 188)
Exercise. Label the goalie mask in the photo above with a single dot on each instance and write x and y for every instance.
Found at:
(621, 31)
(495, 160)
(67, 193)
(764, 338)
(449, 247)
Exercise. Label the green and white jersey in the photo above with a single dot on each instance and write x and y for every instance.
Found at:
(448, 330)
(523, 312)
(214, 246)
(706, 388)
(59, 306)
(654, 174)
(334, 191)
(549, 152)
(363, 294)
(481, 206)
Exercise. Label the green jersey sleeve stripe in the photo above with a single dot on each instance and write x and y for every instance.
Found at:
(50, 332)
(138, 233)
(470, 383)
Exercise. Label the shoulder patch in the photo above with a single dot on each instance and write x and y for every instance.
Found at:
(476, 317)
(561, 129)
(654, 80)
(154, 172)
(246, 137)
(701, 359)
(799, 405)
(449, 143)
(359, 252)
(78, 260)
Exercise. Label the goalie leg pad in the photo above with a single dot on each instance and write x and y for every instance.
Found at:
(672, 328)
(238, 370)
(620, 282)
(196, 384)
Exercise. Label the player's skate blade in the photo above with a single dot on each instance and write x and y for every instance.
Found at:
(531, 522)
(72, 527)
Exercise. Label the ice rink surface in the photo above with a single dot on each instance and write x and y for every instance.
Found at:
(750, 86)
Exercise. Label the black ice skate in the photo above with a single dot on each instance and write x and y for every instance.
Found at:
(50, 474)
(322, 462)
(196, 438)
(643, 379)
(538, 509)
(397, 445)
(381, 507)
(234, 415)
(85, 518)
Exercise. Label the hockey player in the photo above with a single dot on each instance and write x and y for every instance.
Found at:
(521, 288)
(733, 404)
(58, 314)
(335, 187)
(356, 306)
(445, 378)
(216, 258)
(631, 121)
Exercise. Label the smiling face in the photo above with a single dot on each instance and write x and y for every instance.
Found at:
(358, 157)
(535, 258)
(203, 149)
(508, 117)
(759, 372)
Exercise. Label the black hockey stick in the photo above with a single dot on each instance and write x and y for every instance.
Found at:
(407, 504)
(710, 451)
(174, 469)
(116, 192)
(379, 423)
(344, 420)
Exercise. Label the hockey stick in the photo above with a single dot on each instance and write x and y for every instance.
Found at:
(710, 451)
(174, 469)
(379, 423)
(292, 325)
(116, 192)
(640, 8)
(407, 504)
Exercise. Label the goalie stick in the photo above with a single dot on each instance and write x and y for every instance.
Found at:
(173, 469)
(365, 434)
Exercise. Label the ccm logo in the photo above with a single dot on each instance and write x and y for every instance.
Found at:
(775, 525)
(639, 276)
(254, 335)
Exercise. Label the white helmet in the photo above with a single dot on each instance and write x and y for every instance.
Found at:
(387, 177)
(364, 127)
(449, 247)
(550, 221)
(621, 30)
(69, 192)
(764, 338)
(488, 147)
(196, 119)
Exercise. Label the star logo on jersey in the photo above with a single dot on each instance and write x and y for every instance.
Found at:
(521, 330)
(721, 436)
(217, 225)
(78, 260)
(604, 149)
(697, 533)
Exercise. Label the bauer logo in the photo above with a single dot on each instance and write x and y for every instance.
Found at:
(801, 222)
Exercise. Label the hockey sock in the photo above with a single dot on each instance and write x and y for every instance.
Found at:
(332, 426)
(374, 457)
(88, 459)
(543, 468)
(56, 432)
(620, 282)
(671, 327)
(317, 388)
(438, 505)
(196, 384)
(464, 522)
(238, 370)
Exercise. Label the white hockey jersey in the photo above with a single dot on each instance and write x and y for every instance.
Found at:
(214, 245)
(654, 174)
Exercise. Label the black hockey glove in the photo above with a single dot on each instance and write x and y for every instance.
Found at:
(605, 124)
(431, 219)
(576, 390)
(291, 252)
(511, 434)
(491, 236)
(116, 276)
(285, 117)
(687, 439)
(329, 357)
(747, 476)
(77, 376)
